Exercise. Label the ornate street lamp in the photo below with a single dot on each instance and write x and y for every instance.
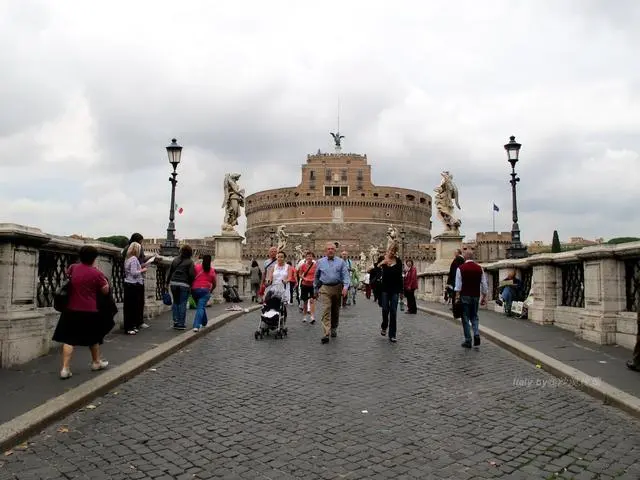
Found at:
(516, 249)
(403, 235)
(272, 236)
(170, 247)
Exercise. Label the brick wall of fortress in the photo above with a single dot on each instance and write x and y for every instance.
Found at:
(356, 222)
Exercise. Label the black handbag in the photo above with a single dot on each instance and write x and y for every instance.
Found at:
(457, 309)
(61, 296)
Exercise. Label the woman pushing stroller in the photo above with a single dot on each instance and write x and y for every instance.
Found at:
(277, 296)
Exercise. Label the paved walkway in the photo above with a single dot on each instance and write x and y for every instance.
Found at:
(26, 386)
(233, 407)
(606, 362)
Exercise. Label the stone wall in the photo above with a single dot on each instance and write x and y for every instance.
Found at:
(591, 292)
(32, 266)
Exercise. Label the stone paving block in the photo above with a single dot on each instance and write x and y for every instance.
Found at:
(233, 407)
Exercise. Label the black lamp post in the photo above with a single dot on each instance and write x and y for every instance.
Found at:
(516, 249)
(170, 247)
(272, 236)
(403, 235)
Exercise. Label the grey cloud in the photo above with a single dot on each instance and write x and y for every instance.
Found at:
(436, 92)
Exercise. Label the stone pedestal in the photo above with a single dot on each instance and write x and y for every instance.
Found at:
(228, 252)
(446, 245)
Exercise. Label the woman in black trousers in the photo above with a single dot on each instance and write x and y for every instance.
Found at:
(133, 302)
(391, 288)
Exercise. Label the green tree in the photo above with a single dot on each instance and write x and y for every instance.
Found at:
(617, 240)
(117, 240)
(555, 244)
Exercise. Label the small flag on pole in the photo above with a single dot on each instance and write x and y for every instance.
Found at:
(495, 208)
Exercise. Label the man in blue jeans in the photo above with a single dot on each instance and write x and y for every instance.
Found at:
(470, 289)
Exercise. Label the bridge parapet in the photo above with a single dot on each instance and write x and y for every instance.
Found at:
(32, 267)
(594, 292)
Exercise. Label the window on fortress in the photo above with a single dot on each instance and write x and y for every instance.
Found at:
(336, 191)
(312, 175)
(327, 174)
(343, 175)
(360, 175)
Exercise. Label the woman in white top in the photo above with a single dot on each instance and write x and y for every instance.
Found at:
(279, 276)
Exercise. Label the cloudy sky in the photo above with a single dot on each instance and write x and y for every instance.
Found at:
(92, 92)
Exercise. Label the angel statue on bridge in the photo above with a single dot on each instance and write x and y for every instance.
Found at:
(282, 238)
(233, 201)
(446, 195)
(392, 240)
(373, 254)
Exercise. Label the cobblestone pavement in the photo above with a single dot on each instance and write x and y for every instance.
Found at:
(233, 407)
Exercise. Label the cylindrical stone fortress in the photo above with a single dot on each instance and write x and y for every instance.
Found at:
(337, 202)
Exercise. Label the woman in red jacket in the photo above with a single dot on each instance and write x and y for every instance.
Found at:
(410, 287)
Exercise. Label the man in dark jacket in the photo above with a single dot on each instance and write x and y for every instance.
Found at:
(458, 260)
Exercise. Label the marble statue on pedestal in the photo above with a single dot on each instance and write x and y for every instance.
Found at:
(233, 201)
(282, 238)
(446, 195)
(299, 254)
(362, 265)
(373, 255)
(392, 240)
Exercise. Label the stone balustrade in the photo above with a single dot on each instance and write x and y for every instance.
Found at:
(591, 291)
(32, 266)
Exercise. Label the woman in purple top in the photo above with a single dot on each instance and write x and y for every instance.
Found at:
(133, 303)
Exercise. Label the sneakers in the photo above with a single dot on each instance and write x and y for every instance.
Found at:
(324, 340)
(196, 329)
(65, 373)
(101, 365)
(334, 333)
(179, 327)
(466, 344)
(392, 339)
(383, 332)
(313, 320)
(144, 325)
(304, 319)
(476, 340)
(132, 332)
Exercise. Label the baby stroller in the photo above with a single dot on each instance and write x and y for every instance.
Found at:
(273, 316)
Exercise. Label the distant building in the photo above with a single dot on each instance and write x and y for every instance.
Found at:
(336, 201)
(491, 246)
(201, 246)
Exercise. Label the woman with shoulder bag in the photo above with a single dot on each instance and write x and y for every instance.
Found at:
(82, 323)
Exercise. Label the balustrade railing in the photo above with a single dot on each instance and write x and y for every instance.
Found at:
(117, 279)
(52, 267)
(572, 284)
(161, 272)
(527, 278)
(632, 283)
(495, 283)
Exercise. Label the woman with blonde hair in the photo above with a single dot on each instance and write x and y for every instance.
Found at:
(133, 302)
